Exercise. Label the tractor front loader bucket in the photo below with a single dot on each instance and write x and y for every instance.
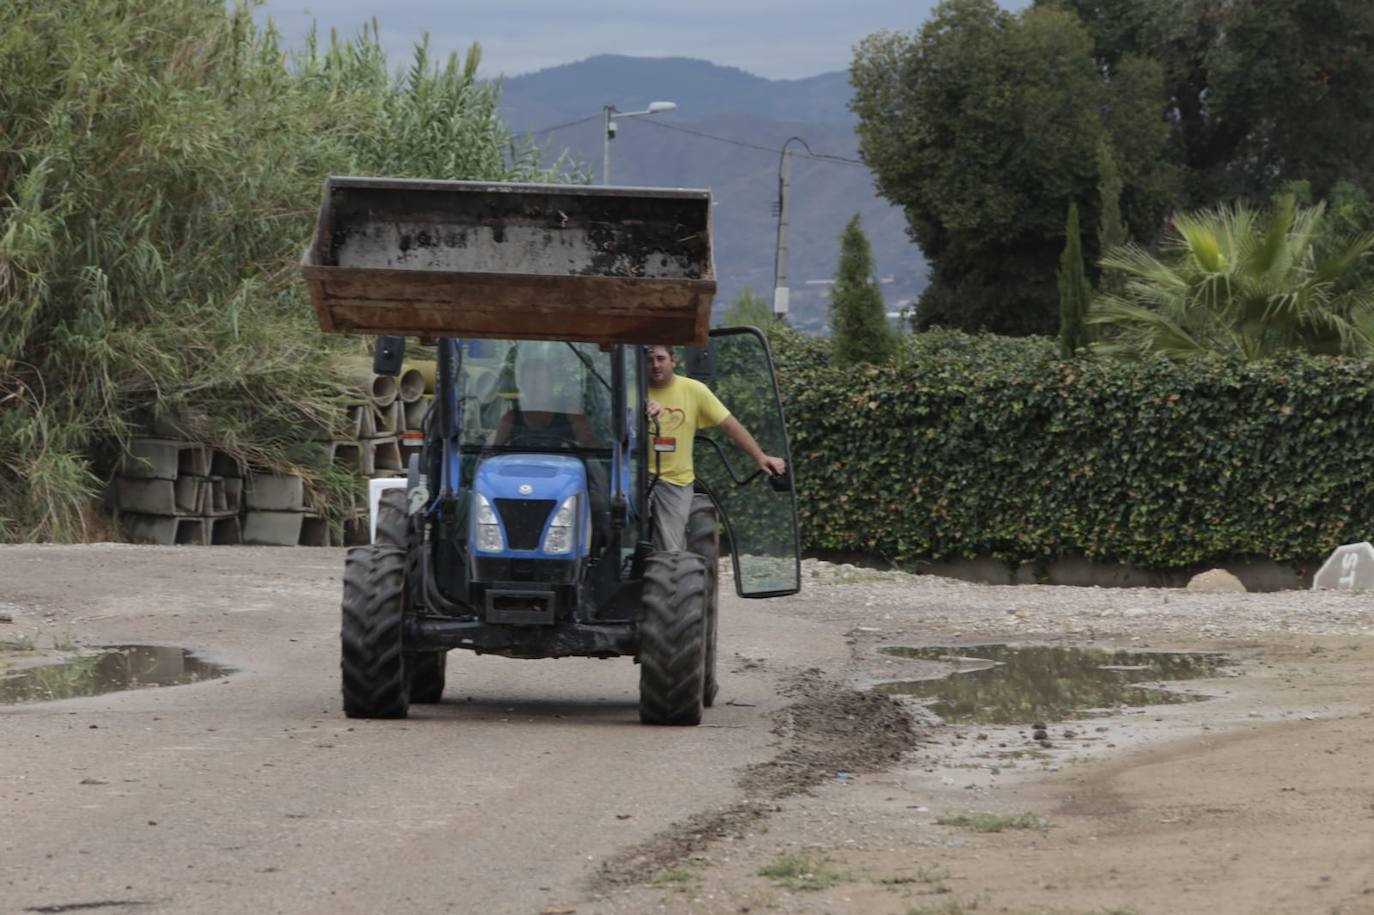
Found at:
(514, 261)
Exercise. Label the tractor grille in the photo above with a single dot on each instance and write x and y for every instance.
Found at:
(541, 571)
(524, 521)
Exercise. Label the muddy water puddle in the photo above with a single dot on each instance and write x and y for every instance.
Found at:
(114, 668)
(1024, 684)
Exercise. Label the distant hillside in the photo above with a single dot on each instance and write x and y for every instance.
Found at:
(730, 103)
(700, 89)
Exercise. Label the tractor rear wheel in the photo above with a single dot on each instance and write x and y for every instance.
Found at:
(672, 639)
(703, 538)
(373, 660)
(426, 671)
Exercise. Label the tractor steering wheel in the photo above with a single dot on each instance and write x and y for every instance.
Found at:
(538, 438)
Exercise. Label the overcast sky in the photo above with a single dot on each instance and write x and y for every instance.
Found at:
(778, 39)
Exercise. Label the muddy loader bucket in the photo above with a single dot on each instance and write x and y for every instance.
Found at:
(514, 261)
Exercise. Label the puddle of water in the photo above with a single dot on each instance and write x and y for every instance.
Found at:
(1022, 684)
(117, 667)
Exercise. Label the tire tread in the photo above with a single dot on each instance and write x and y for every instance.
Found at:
(672, 633)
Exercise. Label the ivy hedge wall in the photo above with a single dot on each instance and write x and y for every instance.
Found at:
(992, 446)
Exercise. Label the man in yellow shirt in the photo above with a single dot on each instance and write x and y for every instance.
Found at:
(682, 406)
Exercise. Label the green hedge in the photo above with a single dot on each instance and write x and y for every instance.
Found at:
(992, 446)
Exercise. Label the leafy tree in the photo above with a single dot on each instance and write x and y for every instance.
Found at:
(1243, 283)
(858, 317)
(160, 170)
(751, 310)
(1074, 290)
(1350, 210)
(1259, 93)
(983, 127)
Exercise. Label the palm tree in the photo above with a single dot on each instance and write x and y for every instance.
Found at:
(1247, 284)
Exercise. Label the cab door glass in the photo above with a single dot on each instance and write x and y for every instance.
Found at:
(761, 514)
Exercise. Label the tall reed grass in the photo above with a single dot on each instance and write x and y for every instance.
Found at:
(161, 163)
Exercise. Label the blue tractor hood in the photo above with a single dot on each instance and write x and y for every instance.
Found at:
(534, 479)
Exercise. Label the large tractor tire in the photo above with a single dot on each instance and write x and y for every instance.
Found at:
(373, 659)
(426, 671)
(703, 538)
(672, 639)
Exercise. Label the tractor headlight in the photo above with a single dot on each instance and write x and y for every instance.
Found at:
(489, 538)
(559, 539)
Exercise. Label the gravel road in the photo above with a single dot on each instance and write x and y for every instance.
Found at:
(532, 788)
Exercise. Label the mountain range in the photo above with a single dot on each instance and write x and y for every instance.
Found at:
(726, 134)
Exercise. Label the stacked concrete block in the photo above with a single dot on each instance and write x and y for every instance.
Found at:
(374, 436)
(415, 413)
(390, 420)
(362, 421)
(174, 492)
(276, 513)
(381, 432)
(385, 445)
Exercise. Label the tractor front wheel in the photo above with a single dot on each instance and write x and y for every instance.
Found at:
(672, 639)
(703, 538)
(373, 660)
(425, 670)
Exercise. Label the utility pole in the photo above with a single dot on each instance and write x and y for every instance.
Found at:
(609, 135)
(781, 294)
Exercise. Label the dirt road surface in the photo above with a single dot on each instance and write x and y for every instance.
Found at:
(533, 789)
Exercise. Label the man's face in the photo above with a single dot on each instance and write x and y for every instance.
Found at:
(661, 362)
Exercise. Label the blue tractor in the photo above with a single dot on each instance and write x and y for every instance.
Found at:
(522, 530)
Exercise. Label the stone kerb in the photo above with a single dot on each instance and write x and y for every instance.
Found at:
(1350, 568)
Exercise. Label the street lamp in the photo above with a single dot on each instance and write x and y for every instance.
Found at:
(612, 115)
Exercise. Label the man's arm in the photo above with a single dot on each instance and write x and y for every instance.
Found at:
(740, 436)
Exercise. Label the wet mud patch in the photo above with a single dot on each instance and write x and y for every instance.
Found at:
(1021, 684)
(827, 730)
(115, 668)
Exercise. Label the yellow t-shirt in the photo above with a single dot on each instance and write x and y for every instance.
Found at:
(688, 405)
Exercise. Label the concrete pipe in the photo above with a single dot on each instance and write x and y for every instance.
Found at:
(380, 389)
(384, 390)
(412, 385)
(426, 370)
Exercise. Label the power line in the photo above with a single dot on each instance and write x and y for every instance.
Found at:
(825, 157)
(590, 117)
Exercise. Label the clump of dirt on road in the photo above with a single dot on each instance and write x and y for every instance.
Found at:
(827, 730)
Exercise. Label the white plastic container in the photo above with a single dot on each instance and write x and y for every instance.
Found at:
(375, 488)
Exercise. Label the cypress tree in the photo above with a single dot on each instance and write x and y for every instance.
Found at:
(858, 318)
(1111, 229)
(1074, 290)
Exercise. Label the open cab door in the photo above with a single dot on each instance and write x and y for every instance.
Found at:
(760, 512)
